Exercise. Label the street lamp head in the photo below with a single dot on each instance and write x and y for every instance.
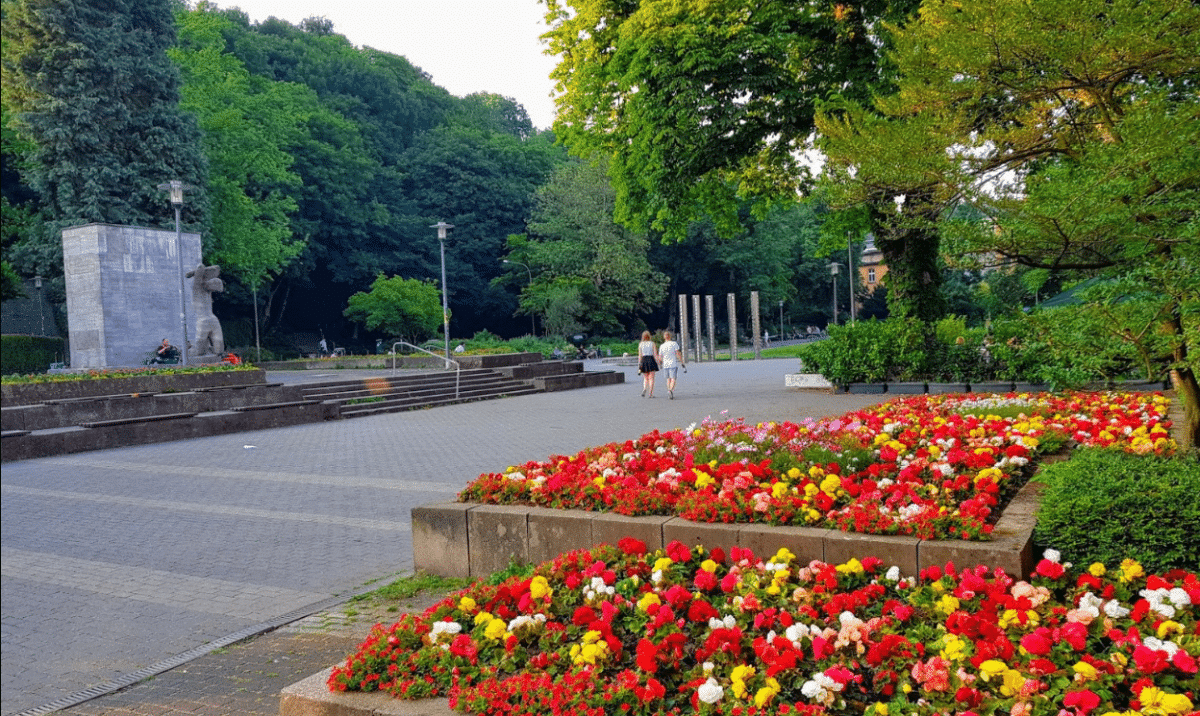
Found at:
(833, 269)
(37, 281)
(176, 188)
(442, 227)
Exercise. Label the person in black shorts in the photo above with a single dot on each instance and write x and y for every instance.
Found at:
(647, 363)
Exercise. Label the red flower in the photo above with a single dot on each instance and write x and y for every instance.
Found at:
(647, 656)
(1084, 700)
(632, 546)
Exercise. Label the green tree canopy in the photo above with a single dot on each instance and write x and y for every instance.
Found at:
(698, 103)
(90, 85)
(1073, 125)
(399, 308)
(574, 242)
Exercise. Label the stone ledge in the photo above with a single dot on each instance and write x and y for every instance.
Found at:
(311, 697)
(474, 540)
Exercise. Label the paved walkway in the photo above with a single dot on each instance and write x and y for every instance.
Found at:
(118, 562)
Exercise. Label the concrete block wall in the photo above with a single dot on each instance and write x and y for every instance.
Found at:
(457, 539)
(123, 292)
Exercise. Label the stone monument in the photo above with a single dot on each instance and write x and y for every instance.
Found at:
(123, 292)
(209, 345)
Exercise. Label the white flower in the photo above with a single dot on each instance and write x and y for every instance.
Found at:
(710, 692)
(1179, 597)
(1114, 610)
(796, 632)
(893, 574)
(1169, 647)
(1053, 555)
(448, 628)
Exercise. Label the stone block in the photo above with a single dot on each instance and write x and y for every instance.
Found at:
(807, 543)
(440, 539)
(892, 549)
(311, 697)
(1011, 552)
(610, 528)
(553, 532)
(497, 535)
(701, 533)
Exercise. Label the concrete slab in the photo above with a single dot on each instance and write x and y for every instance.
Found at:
(312, 698)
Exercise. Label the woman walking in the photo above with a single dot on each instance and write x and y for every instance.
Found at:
(670, 357)
(647, 362)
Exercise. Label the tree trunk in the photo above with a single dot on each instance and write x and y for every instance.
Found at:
(1187, 392)
(910, 245)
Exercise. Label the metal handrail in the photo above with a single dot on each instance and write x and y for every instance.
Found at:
(457, 365)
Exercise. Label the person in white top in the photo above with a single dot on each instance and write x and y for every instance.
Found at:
(670, 357)
(647, 362)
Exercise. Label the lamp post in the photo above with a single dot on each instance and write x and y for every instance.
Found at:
(442, 227)
(833, 271)
(176, 188)
(532, 318)
(781, 320)
(850, 277)
(37, 283)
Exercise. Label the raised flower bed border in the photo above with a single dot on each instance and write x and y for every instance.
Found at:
(459, 539)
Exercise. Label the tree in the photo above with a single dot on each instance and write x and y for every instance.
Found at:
(398, 307)
(90, 84)
(574, 242)
(699, 103)
(247, 124)
(1073, 125)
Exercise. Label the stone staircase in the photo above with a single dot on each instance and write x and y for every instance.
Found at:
(372, 396)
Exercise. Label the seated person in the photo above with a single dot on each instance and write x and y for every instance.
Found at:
(166, 353)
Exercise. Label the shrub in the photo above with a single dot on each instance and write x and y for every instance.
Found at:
(1105, 506)
(29, 354)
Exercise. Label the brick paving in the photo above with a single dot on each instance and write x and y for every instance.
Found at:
(117, 561)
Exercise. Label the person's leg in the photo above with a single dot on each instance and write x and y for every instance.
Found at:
(651, 374)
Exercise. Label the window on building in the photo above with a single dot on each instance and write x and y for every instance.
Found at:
(870, 275)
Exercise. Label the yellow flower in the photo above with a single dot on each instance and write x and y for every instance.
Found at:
(708, 566)
(466, 604)
(1013, 681)
(881, 709)
(483, 618)
(794, 473)
(495, 629)
(1097, 569)
(663, 563)
(703, 479)
(851, 567)
(953, 648)
(779, 490)
(647, 599)
(783, 556)
(992, 667)
(1130, 570)
(766, 693)
(1156, 702)
(948, 604)
(815, 472)
(1085, 671)
(831, 484)
(1169, 627)
(539, 587)
(811, 489)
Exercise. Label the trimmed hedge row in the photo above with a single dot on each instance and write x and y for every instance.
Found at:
(29, 354)
(1106, 506)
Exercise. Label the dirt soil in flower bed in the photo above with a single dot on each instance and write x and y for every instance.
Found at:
(933, 467)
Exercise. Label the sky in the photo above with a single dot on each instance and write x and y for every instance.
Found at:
(466, 46)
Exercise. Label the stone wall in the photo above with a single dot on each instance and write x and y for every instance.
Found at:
(123, 292)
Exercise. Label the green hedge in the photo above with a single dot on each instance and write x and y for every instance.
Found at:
(1105, 506)
(30, 354)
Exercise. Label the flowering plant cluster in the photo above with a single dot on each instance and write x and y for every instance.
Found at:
(618, 630)
(931, 466)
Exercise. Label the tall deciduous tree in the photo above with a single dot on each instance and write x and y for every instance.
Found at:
(1073, 124)
(248, 122)
(90, 84)
(575, 243)
(698, 103)
(398, 307)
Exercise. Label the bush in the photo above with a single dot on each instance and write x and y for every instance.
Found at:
(20, 355)
(1105, 506)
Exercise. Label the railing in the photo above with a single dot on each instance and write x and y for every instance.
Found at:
(457, 366)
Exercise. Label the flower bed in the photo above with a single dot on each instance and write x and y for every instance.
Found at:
(618, 630)
(929, 466)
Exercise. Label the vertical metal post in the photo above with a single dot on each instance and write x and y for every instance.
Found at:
(445, 305)
(712, 328)
(731, 308)
(850, 277)
(696, 325)
(683, 323)
(183, 349)
(756, 325)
